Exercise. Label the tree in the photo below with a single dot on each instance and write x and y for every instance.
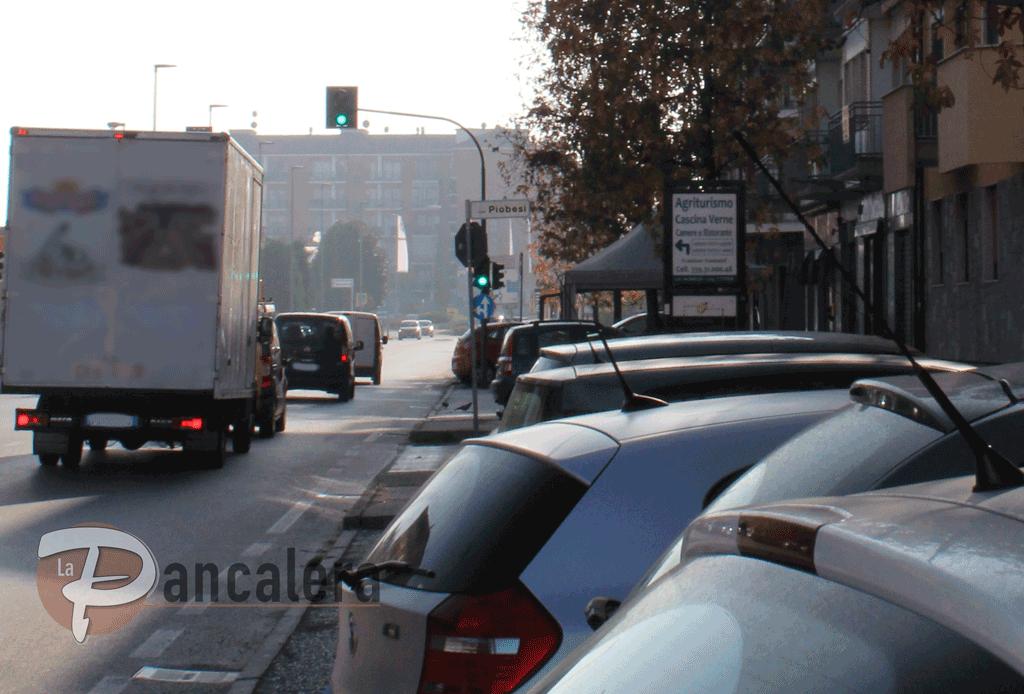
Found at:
(340, 258)
(277, 274)
(630, 95)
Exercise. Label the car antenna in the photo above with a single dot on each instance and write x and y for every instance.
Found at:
(634, 402)
(993, 470)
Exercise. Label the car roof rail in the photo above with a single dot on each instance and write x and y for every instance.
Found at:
(993, 471)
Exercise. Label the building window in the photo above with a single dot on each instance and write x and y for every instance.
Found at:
(990, 236)
(938, 259)
(392, 198)
(392, 171)
(963, 237)
(990, 34)
(341, 172)
(322, 170)
(962, 24)
(938, 45)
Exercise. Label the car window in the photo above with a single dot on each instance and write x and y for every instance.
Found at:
(479, 520)
(528, 404)
(553, 337)
(848, 452)
(743, 626)
(544, 363)
(311, 331)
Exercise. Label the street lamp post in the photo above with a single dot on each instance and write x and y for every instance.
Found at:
(155, 68)
(213, 106)
(291, 246)
(262, 187)
(320, 250)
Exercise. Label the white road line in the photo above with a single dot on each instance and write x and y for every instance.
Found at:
(287, 520)
(157, 643)
(111, 684)
(372, 437)
(256, 549)
(159, 674)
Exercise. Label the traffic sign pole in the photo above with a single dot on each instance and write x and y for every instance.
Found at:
(472, 327)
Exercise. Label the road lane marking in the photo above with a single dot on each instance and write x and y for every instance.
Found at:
(160, 674)
(256, 549)
(111, 684)
(157, 643)
(372, 437)
(287, 520)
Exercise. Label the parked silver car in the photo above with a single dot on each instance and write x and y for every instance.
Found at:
(510, 538)
(915, 589)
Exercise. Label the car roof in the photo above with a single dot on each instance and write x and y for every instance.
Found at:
(692, 414)
(309, 314)
(720, 366)
(738, 342)
(357, 314)
(975, 393)
(939, 549)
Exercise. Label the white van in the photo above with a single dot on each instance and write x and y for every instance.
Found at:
(366, 327)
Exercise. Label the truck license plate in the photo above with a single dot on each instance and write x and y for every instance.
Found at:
(110, 420)
(300, 366)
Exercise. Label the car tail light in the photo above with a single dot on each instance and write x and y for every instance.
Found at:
(267, 382)
(505, 366)
(194, 423)
(487, 644)
(266, 358)
(31, 419)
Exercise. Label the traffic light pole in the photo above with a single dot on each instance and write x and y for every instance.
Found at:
(472, 324)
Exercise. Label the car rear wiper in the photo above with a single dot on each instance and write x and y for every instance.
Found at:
(993, 470)
(353, 578)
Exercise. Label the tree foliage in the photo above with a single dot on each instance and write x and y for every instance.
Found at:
(340, 258)
(629, 95)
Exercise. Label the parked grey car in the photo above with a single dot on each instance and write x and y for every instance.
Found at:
(917, 589)
(545, 395)
(892, 433)
(700, 344)
(510, 538)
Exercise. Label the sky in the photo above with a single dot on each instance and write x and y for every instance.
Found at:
(82, 64)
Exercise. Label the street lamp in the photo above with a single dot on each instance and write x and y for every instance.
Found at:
(155, 68)
(213, 106)
(291, 246)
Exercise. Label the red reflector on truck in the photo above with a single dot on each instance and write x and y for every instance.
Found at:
(344, 358)
(267, 382)
(196, 423)
(487, 643)
(30, 419)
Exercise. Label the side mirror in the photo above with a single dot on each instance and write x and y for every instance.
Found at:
(265, 328)
(359, 345)
(599, 610)
(384, 339)
(498, 413)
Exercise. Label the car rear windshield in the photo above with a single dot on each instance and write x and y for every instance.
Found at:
(479, 521)
(314, 332)
(529, 403)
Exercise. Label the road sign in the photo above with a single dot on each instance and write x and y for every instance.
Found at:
(342, 283)
(483, 306)
(361, 298)
(499, 209)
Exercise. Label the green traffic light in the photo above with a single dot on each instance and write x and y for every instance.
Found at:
(481, 281)
(341, 119)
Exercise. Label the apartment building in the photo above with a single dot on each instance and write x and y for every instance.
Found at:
(411, 185)
(925, 207)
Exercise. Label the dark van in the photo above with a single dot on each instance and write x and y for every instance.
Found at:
(370, 358)
(320, 352)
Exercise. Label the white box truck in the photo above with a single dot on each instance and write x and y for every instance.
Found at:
(130, 303)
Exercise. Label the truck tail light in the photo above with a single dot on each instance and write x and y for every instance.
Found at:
(267, 381)
(31, 419)
(195, 423)
(487, 643)
(344, 358)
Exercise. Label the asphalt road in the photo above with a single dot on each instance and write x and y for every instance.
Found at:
(287, 493)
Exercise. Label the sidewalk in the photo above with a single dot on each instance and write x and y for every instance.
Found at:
(303, 661)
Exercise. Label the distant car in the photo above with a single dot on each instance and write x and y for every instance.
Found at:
(540, 396)
(523, 343)
(635, 324)
(511, 537)
(461, 359)
(370, 359)
(320, 352)
(426, 328)
(913, 589)
(710, 343)
(410, 329)
(272, 405)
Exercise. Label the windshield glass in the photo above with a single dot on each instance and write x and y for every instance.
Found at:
(310, 331)
(528, 404)
(479, 520)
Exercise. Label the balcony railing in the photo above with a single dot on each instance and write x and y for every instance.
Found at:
(854, 132)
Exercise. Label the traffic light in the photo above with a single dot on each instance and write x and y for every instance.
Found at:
(343, 107)
(482, 275)
(497, 275)
(475, 233)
